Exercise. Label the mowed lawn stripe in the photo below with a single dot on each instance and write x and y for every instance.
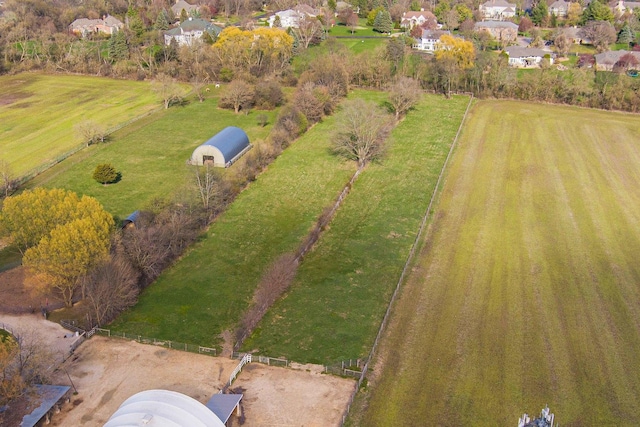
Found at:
(38, 113)
(207, 290)
(526, 292)
(343, 286)
(151, 155)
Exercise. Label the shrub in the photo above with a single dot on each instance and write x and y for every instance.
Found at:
(105, 174)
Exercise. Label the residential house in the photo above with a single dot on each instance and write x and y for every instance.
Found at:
(411, 19)
(574, 34)
(605, 61)
(498, 10)
(190, 30)
(180, 5)
(559, 8)
(107, 25)
(625, 6)
(291, 18)
(527, 57)
(504, 31)
(429, 40)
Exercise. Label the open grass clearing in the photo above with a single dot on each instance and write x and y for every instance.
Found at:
(207, 290)
(526, 291)
(342, 289)
(151, 155)
(38, 113)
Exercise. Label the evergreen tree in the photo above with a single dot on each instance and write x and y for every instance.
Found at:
(117, 46)
(332, 5)
(597, 11)
(162, 22)
(383, 22)
(626, 34)
(540, 13)
(277, 22)
(105, 174)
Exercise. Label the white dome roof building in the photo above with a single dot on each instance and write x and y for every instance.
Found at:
(163, 408)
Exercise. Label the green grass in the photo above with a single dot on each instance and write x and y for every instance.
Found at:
(343, 287)
(526, 291)
(9, 258)
(150, 154)
(207, 290)
(361, 45)
(38, 113)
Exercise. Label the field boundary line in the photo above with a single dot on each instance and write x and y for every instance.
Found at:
(414, 246)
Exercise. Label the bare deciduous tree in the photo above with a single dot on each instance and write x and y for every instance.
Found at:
(110, 288)
(91, 132)
(208, 183)
(404, 93)
(309, 31)
(601, 34)
(8, 183)
(361, 131)
(168, 89)
(238, 94)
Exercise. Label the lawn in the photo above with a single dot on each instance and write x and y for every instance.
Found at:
(207, 290)
(150, 154)
(526, 290)
(342, 289)
(38, 113)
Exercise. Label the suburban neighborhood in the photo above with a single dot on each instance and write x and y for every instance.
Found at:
(319, 213)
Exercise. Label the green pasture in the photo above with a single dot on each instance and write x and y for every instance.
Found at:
(207, 290)
(150, 154)
(38, 113)
(343, 287)
(526, 289)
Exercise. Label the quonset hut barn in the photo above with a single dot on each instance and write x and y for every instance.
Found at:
(222, 149)
(164, 408)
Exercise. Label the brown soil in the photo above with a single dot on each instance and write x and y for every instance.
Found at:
(16, 298)
(108, 371)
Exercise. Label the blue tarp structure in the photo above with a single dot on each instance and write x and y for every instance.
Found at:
(46, 396)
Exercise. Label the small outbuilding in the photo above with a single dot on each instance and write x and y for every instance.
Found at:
(223, 149)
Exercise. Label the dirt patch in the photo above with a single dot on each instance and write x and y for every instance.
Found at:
(12, 97)
(16, 298)
(108, 371)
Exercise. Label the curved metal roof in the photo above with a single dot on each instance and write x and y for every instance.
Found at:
(163, 408)
(230, 141)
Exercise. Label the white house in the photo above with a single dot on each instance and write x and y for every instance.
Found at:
(429, 40)
(559, 8)
(498, 10)
(527, 57)
(291, 18)
(190, 30)
(411, 19)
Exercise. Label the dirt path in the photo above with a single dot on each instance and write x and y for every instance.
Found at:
(34, 327)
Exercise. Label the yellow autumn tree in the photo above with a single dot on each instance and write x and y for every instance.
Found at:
(62, 236)
(30, 216)
(254, 51)
(453, 56)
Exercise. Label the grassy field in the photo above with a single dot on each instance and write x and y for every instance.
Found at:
(150, 154)
(38, 113)
(526, 291)
(343, 287)
(207, 290)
